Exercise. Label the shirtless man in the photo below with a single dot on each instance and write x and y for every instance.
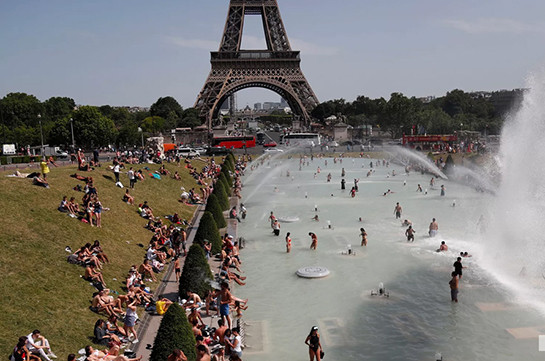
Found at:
(202, 353)
(409, 233)
(177, 355)
(192, 299)
(102, 303)
(314, 238)
(226, 299)
(146, 269)
(91, 274)
(443, 247)
(220, 332)
(272, 218)
(434, 227)
(398, 210)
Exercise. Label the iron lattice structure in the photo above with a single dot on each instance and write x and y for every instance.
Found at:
(277, 68)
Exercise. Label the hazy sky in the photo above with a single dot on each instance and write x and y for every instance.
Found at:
(122, 52)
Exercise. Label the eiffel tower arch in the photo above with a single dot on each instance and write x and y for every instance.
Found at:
(277, 68)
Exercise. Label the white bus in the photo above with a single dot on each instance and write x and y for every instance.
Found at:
(301, 139)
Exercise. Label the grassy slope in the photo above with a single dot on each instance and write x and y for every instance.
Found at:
(39, 288)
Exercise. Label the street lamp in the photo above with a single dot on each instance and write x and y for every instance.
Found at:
(41, 134)
(72, 129)
(142, 132)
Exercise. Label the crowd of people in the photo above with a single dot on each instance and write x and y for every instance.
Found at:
(115, 329)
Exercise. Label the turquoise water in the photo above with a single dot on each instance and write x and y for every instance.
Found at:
(418, 319)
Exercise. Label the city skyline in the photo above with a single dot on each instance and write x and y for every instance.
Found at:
(108, 53)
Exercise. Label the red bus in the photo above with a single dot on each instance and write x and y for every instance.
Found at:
(236, 142)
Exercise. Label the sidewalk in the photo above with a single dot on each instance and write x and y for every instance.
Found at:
(169, 287)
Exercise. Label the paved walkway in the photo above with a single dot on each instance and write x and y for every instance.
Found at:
(169, 287)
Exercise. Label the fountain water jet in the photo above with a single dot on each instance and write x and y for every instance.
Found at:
(418, 158)
(515, 230)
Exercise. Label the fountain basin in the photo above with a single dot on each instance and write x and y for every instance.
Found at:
(312, 272)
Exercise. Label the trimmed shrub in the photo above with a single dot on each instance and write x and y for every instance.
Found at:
(174, 333)
(226, 184)
(213, 206)
(227, 164)
(431, 157)
(196, 274)
(208, 230)
(231, 159)
(449, 164)
(225, 172)
(221, 194)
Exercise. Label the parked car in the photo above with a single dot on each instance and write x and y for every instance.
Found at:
(186, 152)
(200, 150)
(61, 154)
(270, 144)
(217, 151)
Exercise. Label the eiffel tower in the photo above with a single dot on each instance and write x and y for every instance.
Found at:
(277, 68)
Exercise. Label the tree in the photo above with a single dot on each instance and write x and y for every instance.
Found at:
(225, 183)
(61, 132)
(196, 274)
(128, 134)
(91, 128)
(221, 195)
(175, 332)
(153, 124)
(208, 230)
(399, 114)
(164, 106)
(213, 206)
(21, 109)
(57, 108)
(190, 118)
(449, 164)
(436, 121)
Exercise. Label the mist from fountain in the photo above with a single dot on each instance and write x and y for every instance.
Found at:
(415, 157)
(277, 169)
(476, 179)
(515, 237)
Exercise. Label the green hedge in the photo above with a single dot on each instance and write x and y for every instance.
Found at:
(213, 206)
(231, 159)
(449, 164)
(18, 159)
(226, 173)
(175, 332)
(196, 274)
(221, 194)
(208, 230)
(226, 184)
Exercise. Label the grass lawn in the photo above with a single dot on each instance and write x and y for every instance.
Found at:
(39, 289)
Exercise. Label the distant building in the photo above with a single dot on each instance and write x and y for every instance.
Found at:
(283, 103)
(271, 105)
(427, 99)
(257, 107)
(132, 109)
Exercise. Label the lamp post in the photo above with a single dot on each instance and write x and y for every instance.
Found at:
(72, 130)
(142, 132)
(41, 134)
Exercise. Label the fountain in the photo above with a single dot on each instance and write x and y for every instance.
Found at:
(515, 229)
(418, 318)
(417, 158)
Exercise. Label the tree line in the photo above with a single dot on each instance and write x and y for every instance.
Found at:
(457, 110)
(24, 118)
